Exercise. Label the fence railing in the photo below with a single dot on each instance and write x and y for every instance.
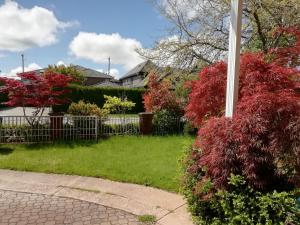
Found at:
(47, 128)
(120, 126)
(29, 129)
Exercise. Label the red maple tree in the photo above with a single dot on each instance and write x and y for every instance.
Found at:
(160, 96)
(35, 90)
(261, 142)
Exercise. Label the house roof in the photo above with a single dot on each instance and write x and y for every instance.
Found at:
(110, 83)
(91, 73)
(86, 72)
(142, 67)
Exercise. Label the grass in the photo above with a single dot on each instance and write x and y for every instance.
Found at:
(152, 161)
(148, 219)
(123, 115)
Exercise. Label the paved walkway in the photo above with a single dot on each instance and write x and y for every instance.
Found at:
(73, 199)
(17, 208)
(18, 111)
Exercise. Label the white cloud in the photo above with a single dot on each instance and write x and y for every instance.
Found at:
(98, 47)
(115, 73)
(100, 70)
(23, 28)
(13, 72)
(61, 63)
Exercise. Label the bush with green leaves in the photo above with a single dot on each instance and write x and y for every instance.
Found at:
(85, 125)
(189, 128)
(117, 105)
(166, 122)
(239, 204)
(87, 109)
(3, 98)
(78, 77)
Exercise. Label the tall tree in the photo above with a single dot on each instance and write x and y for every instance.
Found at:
(78, 77)
(199, 29)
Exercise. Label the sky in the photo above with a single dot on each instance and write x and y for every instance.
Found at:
(82, 32)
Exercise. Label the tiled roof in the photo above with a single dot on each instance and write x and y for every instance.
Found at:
(85, 71)
(91, 73)
(111, 83)
(142, 67)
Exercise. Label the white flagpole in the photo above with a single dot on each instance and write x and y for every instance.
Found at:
(234, 57)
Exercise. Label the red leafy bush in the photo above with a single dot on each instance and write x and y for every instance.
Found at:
(207, 97)
(262, 141)
(160, 97)
(288, 55)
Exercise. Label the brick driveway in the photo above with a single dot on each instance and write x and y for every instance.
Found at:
(18, 208)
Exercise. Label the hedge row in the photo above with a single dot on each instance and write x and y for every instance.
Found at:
(3, 98)
(96, 95)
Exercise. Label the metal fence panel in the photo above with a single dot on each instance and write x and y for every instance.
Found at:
(14, 129)
(29, 129)
(120, 126)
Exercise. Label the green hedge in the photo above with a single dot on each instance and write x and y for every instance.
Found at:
(3, 98)
(96, 95)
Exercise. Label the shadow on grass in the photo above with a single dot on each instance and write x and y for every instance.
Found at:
(5, 151)
(59, 144)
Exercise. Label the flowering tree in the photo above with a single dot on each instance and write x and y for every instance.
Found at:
(38, 91)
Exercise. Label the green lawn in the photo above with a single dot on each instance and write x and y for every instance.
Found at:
(123, 115)
(152, 161)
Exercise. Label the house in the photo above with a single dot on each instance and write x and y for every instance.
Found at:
(137, 77)
(108, 83)
(93, 77)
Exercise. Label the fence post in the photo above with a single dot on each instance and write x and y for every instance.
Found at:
(96, 128)
(1, 131)
(146, 125)
(56, 125)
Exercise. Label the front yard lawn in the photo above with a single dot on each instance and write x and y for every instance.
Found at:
(123, 115)
(152, 161)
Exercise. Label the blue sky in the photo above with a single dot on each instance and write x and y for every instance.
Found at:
(83, 32)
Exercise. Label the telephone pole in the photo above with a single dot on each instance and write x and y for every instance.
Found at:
(108, 70)
(23, 67)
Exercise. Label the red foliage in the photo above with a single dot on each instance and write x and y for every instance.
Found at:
(288, 55)
(159, 96)
(207, 97)
(36, 90)
(262, 141)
